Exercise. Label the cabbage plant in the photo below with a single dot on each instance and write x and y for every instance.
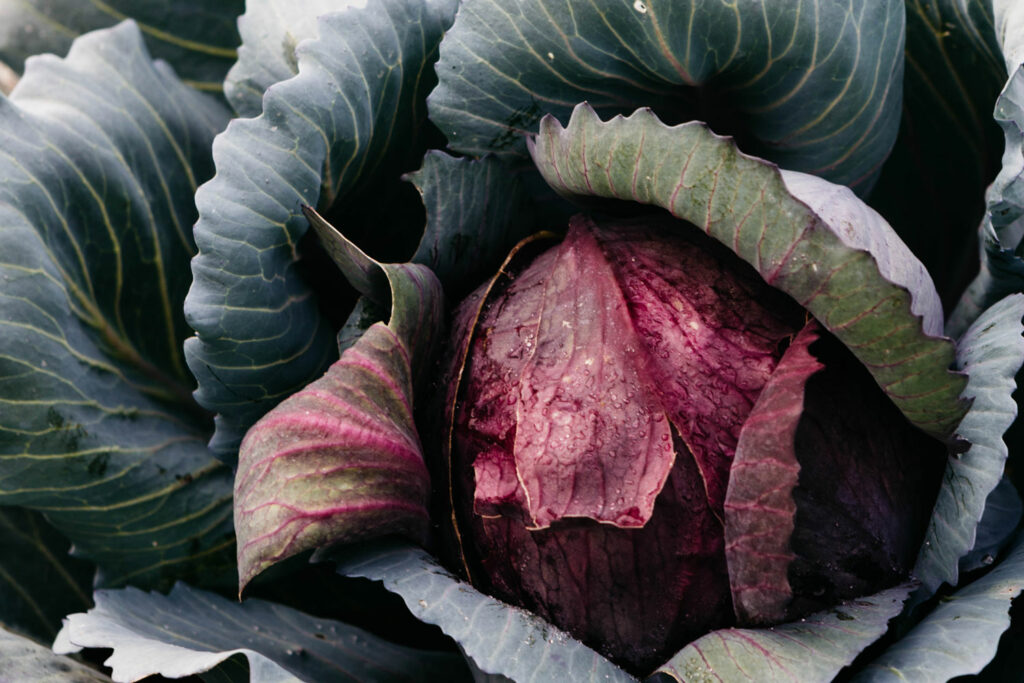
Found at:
(631, 341)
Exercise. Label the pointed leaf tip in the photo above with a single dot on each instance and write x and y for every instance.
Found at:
(341, 460)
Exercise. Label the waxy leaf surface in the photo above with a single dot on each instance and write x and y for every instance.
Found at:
(270, 31)
(813, 85)
(500, 639)
(102, 152)
(190, 631)
(883, 307)
(959, 637)
(351, 119)
(197, 37)
(990, 352)
(812, 650)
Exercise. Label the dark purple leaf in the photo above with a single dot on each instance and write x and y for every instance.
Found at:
(711, 330)
(868, 482)
(591, 438)
(759, 507)
(588, 327)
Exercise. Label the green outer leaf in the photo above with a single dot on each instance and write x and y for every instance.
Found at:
(990, 353)
(355, 107)
(500, 639)
(1002, 230)
(39, 582)
(101, 153)
(270, 32)
(23, 660)
(813, 649)
(744, 203)
(477, 210)
(817, 83)
(197, 37)
(1003, 512)
(190, 631)
(961, 635)
(341, 460)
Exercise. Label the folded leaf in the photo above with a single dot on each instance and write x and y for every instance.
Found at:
(813, 649)
(101, 155)
(990, 352)
(338, 135)
(500, 639)
(811, 85)
(341, 460)
(747, 204)
(190, 631)
(960, 636)
(759, 507)
(270, 32)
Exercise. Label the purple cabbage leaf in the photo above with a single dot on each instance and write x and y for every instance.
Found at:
(341, 460)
